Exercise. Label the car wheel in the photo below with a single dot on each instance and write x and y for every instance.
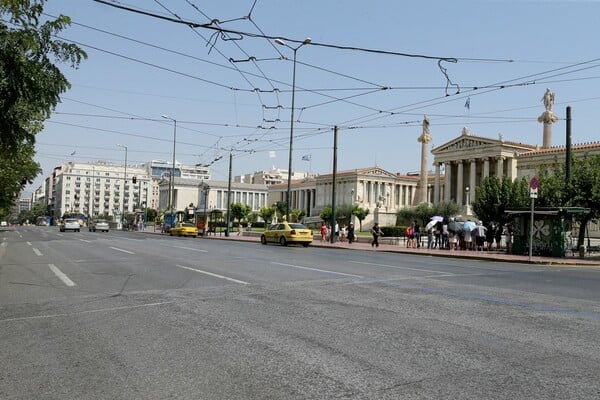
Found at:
(305, 244)
(263, 239)
(282, 241)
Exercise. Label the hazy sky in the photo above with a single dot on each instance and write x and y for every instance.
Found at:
(232, 92)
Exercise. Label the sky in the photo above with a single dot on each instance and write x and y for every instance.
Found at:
(373, 69)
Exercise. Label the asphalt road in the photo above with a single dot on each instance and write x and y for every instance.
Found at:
(124, 315)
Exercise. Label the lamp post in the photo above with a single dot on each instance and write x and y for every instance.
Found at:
(172, 177)
(467, 195)
(124, 183)
(294, 49)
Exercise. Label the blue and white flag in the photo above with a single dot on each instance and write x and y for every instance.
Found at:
(306, 157)
(468, 103)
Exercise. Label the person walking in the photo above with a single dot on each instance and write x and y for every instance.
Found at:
(351, 233)
(323, 232)
(376, 232)
(417, 233)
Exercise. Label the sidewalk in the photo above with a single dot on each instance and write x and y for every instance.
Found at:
(364, 245)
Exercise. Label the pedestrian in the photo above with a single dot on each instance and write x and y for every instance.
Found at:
(240, 229)
(351, 237)
(489, 236)
(409, 236)
(445, 235)
(376, 232)
(343, 233)
(430, 238)
(480, 231)
(417, 233)
(468, 239)
(508, 238)
(437, 232)
(323, 232)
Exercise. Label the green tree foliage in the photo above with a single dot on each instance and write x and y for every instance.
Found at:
(239, 211)
(297, 214)
(266, 213)
(494, 196)
(583, 189)
(326, 214)
(30, 85)
(423, 213)
(445, 209)
(361, 214)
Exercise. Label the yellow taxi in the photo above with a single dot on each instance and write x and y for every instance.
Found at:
(286, 233)
(184, 229)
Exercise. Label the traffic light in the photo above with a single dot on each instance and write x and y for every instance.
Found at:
(134, 179)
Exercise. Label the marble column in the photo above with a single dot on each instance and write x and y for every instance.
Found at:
(472, 176)
(459, 184)
(447, 181)
(424, 139)
(436, 184)
(486, 167)
(500, 168)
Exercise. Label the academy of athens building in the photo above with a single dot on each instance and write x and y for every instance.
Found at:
(459, 167)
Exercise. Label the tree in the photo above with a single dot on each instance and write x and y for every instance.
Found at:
(266, 213)
(297, 214)
(361, 214)
(326, 213)
(583, 189)
(239, 211)
(30, 86)
(494, 196)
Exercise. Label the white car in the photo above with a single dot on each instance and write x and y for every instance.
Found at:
(70, 224)
(99, 225)
(3, 223)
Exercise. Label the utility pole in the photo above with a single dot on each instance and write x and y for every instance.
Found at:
(333, 219)
(229, 194)
(568, 153)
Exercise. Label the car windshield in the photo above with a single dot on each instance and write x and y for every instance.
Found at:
(188, 225)
(70, 220)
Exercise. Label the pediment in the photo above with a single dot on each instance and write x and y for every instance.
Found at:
(376, 171)
(466, 142)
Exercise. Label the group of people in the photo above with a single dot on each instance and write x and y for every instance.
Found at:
(346, 233)
(443, 235)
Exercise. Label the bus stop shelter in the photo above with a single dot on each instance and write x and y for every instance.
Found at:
(552, 229)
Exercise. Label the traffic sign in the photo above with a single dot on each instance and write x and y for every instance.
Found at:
(533, 183)
(533, 193)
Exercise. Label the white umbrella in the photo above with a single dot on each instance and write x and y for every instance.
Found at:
(437, 218)
(430, 224)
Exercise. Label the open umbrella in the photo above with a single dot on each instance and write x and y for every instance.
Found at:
(430, 224)
(455, 226)
(437, 218)
(469, 226)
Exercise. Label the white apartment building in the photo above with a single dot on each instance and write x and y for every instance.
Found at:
(272, 177)
(98, 188)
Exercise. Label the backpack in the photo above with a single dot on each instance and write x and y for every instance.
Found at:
(408, 233)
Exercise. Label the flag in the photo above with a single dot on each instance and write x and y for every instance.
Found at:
(271, 154)
(306, 157)
(73, 153)
(468, 103)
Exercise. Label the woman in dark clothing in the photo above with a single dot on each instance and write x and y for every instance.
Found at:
(350, 233)
(376, 231)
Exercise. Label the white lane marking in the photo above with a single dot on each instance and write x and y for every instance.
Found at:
(317, 269)
(29, 243)
(87, 241)
(124, 251)
(398, 267)
(61, 275)
(86, 312)
(37, 252)
(211, 274)
(190, 248)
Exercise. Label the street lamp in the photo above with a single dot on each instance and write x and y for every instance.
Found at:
(467, 192)
(294, 49)
(124, 181)
(172, 177)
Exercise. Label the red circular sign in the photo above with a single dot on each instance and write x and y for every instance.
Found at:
(533, 183)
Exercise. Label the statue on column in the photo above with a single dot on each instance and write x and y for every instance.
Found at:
(425, 136)
(548, 100)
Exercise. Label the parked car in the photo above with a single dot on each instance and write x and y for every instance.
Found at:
(184, 229)
(3, 223)
(70, 224)
(99, 225)
(285, 233)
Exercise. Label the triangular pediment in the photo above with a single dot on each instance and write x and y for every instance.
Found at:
(375, 171)
(466, 142)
